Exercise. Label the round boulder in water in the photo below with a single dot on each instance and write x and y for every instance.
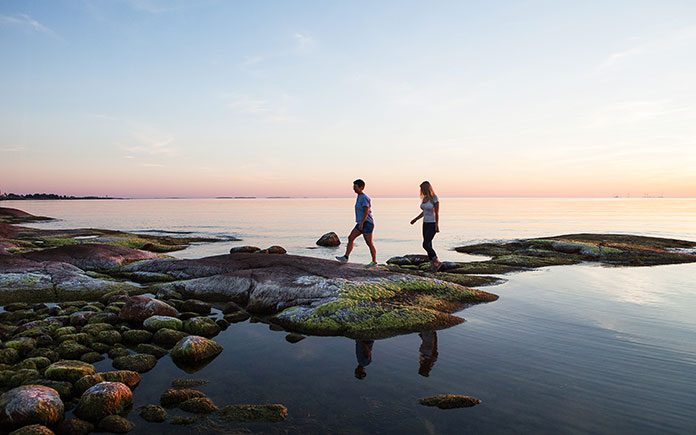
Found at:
(193, 352)
(329, 239)
(104, 399)
(30, 404)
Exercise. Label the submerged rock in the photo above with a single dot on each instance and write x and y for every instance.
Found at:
(198, 405)
(75, 426)
(104, 399)
(271, 413)
(450, 401)
(174, 396)
(153, 413)
(30, 404)
(115, 424)
(244, 250)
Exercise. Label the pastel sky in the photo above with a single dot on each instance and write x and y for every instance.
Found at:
(149, 98)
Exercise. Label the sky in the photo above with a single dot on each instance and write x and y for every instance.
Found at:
(148, 98)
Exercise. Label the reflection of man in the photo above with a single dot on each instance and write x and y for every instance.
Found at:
(363, 353)
(428, 352)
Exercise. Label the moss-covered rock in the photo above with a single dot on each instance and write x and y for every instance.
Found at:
(24, 345)
(155, 323)
(69, 370)
(174, 396)
(96, 328)
(135, 336)
(151, 349)
(139, 308)
(78, 337)
(9, 356)
(30, 404)
(117, 352)
(75, 426)
(37, 362)
(34, 429)
(167, 338)
(104, 399)
(115, 424)
(70, 349)
(129, 377)
(450, 401)
(194, 349)
(86, 382)
(203, 326)
(138, 362)
(269, 413)
(153, 413)
(109, 337)
(92, 357)
(198, 405)
(23, 377)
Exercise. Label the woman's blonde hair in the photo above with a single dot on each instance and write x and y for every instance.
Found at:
(426, 190)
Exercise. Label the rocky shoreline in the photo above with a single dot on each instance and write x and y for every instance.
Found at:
(74, 297)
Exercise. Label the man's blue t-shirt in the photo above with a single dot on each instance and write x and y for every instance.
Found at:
(363, 201)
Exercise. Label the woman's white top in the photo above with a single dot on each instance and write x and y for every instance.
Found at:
(428, 208)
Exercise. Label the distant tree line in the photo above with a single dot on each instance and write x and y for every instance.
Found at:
(14, 196)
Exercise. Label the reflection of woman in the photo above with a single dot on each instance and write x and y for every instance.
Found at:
(430, 204)
(428, 352)
(363, 353)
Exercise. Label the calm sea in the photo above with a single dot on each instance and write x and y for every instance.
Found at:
(568, 349)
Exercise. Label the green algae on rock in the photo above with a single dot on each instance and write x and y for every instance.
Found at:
(115, 424)
(69, 370)
(174, 396)
(198, 405)
(34, 429)
(139, 362)
(450, 401)
(153, 413)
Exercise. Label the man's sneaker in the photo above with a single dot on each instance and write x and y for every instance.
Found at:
(342, 259)
(371, 264)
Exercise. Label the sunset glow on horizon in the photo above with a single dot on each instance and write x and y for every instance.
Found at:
(141, 98)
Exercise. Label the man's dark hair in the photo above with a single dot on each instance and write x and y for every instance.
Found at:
(360, 183)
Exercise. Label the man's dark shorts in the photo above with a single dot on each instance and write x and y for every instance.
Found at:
(368, 228)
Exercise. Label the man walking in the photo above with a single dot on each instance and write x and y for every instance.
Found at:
(364, 224)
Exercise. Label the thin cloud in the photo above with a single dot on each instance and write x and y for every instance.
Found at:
(273, 109)
(12, 149)
(26, 22)
(303, 44)
(152, 165)
(151, 144)
(675, 40)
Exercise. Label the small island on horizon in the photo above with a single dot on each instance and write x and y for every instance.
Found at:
(47, 196)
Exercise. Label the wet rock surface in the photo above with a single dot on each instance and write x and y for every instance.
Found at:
(30, 404)
(450, 401)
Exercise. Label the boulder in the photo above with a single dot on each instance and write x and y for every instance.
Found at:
(193, 349)
(167, 338)
(115, 424)
(75, 426)
(139, 308)
(329, 239)
(153, 413)
(104, 399)
(30, 404)
(135, 336)
(69, 370)
(244, 250)
(275, 249)
(34, 429)
(204, 326)
(155, 323)
(196, 306)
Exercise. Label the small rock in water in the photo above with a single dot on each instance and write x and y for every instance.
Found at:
(30, 404)
(174, 396)
(329, 239)
(275, 249)
(75, 426)
(294, 337)
(198, 405)
(139, 362)
(272, 412)
(153, 413)
(104, 399)
(450, 401)
(187, 383)
(181, 419)
(244, 250)
(115, 424)
(34, 429)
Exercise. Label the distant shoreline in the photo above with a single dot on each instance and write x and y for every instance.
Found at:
(48, 197)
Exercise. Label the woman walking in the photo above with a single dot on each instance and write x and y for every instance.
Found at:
(430, 205)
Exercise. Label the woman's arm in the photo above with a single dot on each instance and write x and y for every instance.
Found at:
(436, 207)
(413, 221)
